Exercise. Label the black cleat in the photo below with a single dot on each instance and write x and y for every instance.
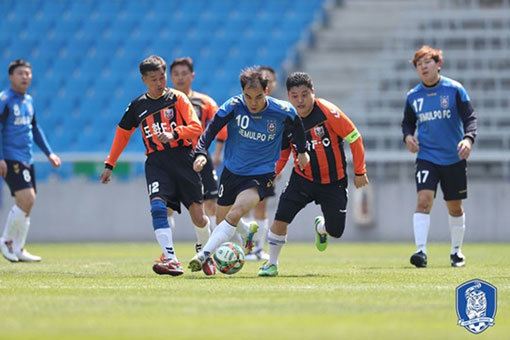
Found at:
(458, 260)
(419, 259)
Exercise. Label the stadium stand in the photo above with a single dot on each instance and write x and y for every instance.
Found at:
(85, 54)
(372, 52)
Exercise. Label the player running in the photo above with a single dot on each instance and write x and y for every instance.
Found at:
(256, 124)
(169, 128)
(324, 179)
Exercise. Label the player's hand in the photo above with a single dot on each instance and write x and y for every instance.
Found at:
(3, 168)
(412, 144)
(106, 176)
(360, 181)
(302, 160)
(199, 163)
(54, 160)
(166, 137)
(464, 148)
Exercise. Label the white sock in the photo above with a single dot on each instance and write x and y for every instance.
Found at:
(261, 235)
(421, 225)
(21, 238)
(203, 233)
(237, 239)
(171, 221)
(276, 243)
(14, 220)
(164, 237)
(243, 228)
(321, 228)
(223, 232)
(457, 228)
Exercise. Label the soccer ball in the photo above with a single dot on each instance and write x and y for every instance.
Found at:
(229, 258)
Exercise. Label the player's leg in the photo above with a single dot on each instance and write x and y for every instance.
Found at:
(454, 186)
(277, 237)
(21, 181)
(333, 201)
(170, 217)
(259, 213)
(426, 178)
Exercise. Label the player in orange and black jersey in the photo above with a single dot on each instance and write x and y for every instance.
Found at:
(170, 129)
(324, 179)
(182, 75)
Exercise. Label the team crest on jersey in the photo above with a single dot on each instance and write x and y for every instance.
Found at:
(4, 97)
(169, 113)
(476, 303)
(16, 110)
(445, 101)
(271, 126)
(319, 131)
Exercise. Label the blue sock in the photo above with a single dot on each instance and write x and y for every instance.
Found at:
(159, 215)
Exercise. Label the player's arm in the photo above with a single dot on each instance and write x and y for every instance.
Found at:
(42, 143)
(346, 129)
(409, 127)
(125, 129)
(298, 135)
(284, 154)
(3, 117)
(193, 127)
(469, 123)
(211, 109)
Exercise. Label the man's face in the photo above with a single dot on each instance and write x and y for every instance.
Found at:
(21, 78)
(271, 81)
(182, 78)
(155, 82)
(302, 98)
(255, 98)
(428, 70)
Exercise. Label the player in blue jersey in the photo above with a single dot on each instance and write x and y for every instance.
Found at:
(256, 124)
(18, 131)
(446, 121)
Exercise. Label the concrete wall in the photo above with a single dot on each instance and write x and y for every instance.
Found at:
(81, 211)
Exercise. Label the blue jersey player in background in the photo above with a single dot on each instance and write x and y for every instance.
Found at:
(256, 124)
(18, 131)
(446, 121)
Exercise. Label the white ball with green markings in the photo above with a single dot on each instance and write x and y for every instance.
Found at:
(229, 258)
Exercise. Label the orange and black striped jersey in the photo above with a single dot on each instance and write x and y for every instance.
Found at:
(326, 127)
(172, 112)
(206, 108)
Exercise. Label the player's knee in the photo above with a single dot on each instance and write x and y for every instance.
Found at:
(335, 230)
(159, 214)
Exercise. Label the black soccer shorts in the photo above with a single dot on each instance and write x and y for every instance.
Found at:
(331, 197)
(20, 176)
(170, 176)
(453, 178)
(231, 185)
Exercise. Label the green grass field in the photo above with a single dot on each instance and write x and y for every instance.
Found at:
(351, 291)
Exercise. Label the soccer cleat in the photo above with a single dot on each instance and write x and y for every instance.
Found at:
(257, 255)
(7, 250)
(25, 256)
(196, 263)
(321, 240)
(268, 269)
(208, 267)
(160, 259)
(248, 244)
(419, 259)
(457, 260)
(168, 267)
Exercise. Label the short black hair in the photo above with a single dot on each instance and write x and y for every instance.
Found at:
(152, 63)
(18, 63)
(250, 76)
(266, 68)
(187, 61)
(298, 79)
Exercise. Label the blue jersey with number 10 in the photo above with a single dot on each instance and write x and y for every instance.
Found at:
(254, 139)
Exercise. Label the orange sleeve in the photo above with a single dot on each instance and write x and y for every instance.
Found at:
(346, 129)
(120, 141)
(284, 157)
(193, 128)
